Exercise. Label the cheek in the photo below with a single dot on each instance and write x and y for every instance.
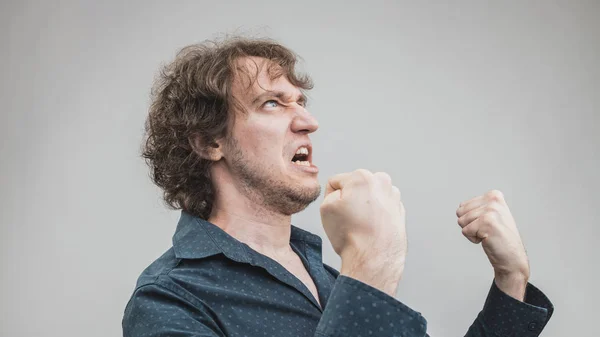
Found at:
(262, 137)
(262, 146)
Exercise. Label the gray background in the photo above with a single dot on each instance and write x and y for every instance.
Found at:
(451, 99)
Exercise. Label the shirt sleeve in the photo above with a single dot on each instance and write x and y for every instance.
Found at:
(155, 311)
(505, 316)
(357, 309)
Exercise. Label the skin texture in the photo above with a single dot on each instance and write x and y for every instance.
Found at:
(258, 188)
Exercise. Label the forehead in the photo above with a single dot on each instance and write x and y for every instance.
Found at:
(256, 75)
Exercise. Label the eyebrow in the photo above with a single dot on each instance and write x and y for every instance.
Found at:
(280, 95)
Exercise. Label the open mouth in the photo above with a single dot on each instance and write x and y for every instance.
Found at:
(302, 156)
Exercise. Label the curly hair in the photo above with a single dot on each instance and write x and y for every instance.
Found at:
(192, 96)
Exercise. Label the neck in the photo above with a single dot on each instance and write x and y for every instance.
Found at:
(247, 219)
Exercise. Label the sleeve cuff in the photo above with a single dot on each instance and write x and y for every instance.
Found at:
(507, 316)
(356, 309)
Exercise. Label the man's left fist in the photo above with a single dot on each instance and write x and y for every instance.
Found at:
(488, 220)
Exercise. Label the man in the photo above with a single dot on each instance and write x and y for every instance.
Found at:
(228, 142)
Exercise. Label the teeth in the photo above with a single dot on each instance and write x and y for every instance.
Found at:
(302, 163)
(302, 150)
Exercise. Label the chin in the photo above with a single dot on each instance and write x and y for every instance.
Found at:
(316, 188)
(310, 187)
(297, 199)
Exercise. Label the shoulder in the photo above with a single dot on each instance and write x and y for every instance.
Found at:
(162, 266)
(163, 284)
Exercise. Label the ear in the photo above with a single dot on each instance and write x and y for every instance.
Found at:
(212, 151)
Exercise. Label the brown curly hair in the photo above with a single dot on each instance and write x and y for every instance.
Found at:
(192, 96)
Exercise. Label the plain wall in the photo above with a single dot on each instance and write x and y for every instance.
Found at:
(452, 98)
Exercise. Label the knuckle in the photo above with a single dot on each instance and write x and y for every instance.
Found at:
(491, 208)
(495, 195)
(383, 176)
(334, 177)
(362, 174)
(487, 218)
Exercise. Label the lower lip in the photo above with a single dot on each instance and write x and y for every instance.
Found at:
(311, 169)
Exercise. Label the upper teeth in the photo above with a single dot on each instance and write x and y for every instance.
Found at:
(302, 150)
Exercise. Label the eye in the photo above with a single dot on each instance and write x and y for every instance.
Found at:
(271, 104)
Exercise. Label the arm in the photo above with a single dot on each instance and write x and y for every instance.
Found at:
(383, 315)
(356, 309)
(514, 307)
(364, 219)
(155, 311)
(504, 315)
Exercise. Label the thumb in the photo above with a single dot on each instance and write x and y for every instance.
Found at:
(331, 198)
(336, 183)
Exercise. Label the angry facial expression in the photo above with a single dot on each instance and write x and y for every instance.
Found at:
(268, 151)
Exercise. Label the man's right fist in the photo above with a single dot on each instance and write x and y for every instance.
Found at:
(364, 218)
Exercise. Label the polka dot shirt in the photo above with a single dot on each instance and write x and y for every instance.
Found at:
(210, 284)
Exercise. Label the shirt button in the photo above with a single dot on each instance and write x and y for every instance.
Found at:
(532, 326)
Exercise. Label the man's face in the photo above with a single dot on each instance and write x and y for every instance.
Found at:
(268, 152)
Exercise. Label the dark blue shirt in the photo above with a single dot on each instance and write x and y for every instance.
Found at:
(211, 284)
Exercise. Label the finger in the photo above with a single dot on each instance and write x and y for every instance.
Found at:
(469, 205)
(471, 216)
(495, 196)
(337, 182)
(476, 231)
(331, 198)
(383, 178)
(396, 194)
(474, 240)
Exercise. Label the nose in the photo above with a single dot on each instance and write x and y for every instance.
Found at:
(304, 122)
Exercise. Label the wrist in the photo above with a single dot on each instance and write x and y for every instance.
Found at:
(513, 284)
(382, 276)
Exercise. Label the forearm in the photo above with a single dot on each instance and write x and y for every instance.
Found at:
(505, 315)
(513, 285)
(358, 309)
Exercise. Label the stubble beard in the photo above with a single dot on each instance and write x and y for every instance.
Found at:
(273, 194)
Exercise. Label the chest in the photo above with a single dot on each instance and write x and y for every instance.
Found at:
(296, 268)
(258, 301)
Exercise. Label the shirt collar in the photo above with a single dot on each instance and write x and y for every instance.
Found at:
(196, 238)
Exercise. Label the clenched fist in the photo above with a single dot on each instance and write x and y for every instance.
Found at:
(487, 220)
(364, 218)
